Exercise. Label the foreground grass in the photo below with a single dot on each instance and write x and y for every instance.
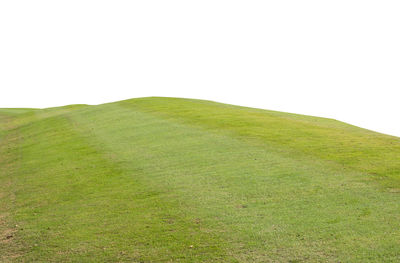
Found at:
(167, 180)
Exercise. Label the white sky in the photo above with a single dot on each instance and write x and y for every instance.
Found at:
(338, 59)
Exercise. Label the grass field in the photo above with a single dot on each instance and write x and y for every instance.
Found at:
(179, 180)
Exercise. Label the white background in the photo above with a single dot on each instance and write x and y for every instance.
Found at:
(338, 59)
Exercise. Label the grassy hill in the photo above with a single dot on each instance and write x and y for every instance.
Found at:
(179, 180)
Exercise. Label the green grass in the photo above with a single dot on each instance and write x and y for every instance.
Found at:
(179, 180)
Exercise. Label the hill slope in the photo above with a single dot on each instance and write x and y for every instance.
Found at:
(169, 180)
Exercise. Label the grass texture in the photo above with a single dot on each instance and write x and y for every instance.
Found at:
(180, 180)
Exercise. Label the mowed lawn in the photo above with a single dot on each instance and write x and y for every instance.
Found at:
(179, 180)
